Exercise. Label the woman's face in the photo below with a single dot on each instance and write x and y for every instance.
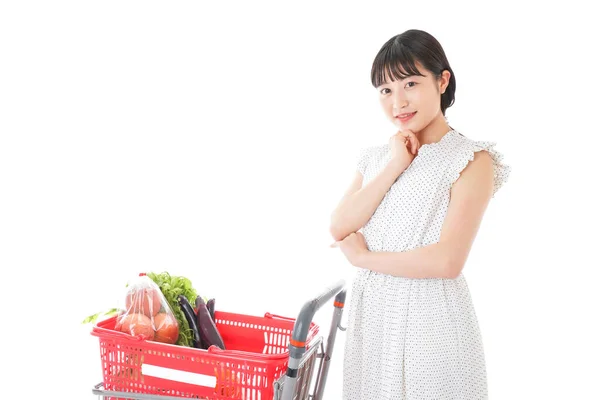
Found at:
(413, 102)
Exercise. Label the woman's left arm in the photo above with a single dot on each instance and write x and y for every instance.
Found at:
(469, 198)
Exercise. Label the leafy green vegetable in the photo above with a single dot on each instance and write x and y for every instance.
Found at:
(171, 287)
(93, 318)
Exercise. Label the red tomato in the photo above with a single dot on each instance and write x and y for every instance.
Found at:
(166, 327)
(146, 301)
(137, 324)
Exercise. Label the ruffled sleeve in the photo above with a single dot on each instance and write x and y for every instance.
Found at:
(501, 170)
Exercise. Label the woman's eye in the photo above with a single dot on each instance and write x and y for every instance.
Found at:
(414, 83)
(382, 90)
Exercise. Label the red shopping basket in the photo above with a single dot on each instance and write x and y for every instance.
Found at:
(256, 356)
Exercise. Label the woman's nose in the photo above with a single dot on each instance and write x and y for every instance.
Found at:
(399, 105)
(399, 102)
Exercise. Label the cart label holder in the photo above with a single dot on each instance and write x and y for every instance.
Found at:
(193, 378)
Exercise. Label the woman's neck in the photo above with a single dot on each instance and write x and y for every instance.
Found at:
(434, 132)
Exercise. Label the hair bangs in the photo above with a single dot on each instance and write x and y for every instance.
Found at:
(394, 61)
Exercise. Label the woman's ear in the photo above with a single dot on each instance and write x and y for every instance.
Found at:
(444, 80)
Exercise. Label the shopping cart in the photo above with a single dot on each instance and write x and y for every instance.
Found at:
(266, 358)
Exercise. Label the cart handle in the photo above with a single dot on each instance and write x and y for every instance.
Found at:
(300, 333)
(305, 317)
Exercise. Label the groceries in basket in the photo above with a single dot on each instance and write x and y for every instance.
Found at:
(206, 325)
(166, 308)
(147, 313)
(203, 326)
(172, 287)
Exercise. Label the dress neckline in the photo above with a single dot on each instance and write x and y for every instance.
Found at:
(425, 147)
(439, 142)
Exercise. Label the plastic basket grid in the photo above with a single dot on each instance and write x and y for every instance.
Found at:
(256, 356)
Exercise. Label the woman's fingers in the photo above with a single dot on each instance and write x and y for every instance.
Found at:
(409, 138)
(412, 138)
(415, 145)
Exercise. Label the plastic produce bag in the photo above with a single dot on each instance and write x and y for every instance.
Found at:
(147, 313)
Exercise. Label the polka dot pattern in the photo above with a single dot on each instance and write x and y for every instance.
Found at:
(415, 339)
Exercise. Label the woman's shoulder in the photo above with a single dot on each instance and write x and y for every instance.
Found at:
(368, 153)
(467, 147)
(373, 150)
(469, 141)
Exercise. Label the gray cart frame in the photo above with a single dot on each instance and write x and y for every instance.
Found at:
(296, 382)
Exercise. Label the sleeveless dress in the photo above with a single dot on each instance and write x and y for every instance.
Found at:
(415, 339)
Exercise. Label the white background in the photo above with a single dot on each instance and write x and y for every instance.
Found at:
(213, 140)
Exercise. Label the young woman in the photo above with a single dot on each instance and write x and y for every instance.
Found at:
(419, 199)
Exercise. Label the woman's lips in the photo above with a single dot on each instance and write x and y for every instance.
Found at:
(405, 117)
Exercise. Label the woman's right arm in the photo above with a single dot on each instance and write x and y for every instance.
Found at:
(358, 204)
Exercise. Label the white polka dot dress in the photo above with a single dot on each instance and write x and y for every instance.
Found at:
(415, 339)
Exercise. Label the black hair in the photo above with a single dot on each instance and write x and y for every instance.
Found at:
(399, 55)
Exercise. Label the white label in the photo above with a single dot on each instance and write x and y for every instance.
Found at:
(179, 376)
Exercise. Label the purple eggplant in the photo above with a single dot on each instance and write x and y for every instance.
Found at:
(210, 305)
(190, 316)
(206, 326)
